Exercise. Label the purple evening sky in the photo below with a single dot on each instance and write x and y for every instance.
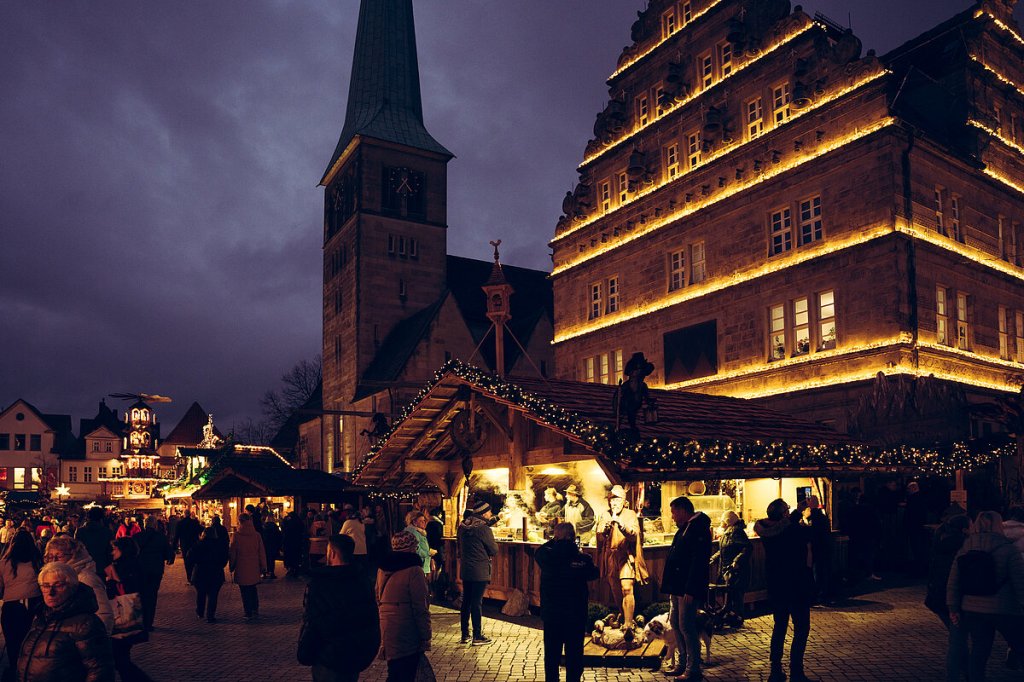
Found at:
(161, 222)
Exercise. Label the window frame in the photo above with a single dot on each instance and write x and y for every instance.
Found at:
(693, 150)
(698, 265)
(963, 325)
(595, 301)
(812, 224)
(1004, 333)
(612, 295)
(755, 118)
(643, 109)
(671, 160)
(781, 103)
(677, 269)
(826, 314)
(780, 231)
(942, 316)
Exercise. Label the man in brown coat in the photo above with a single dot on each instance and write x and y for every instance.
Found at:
(247, 559)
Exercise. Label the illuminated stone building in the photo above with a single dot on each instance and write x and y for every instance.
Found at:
(395, 304)
(766, 212)
(134, 484)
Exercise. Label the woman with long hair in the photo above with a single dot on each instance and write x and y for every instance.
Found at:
(19, 569)
(208, 557)
(124, 576)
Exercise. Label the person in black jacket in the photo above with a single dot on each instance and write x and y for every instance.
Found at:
(96, 537)
(340, 633)
(187, 535)
(733, 556)
(208, 558)
(564, 573)
(686, 578)
(154, 553)
(787, 554)
(124, 576)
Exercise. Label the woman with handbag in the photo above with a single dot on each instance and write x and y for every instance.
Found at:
(124, 578)
(404, 602)
(19, 589)
(208, 557)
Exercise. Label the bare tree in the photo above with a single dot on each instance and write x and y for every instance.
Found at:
(252, 432)
(297, 386)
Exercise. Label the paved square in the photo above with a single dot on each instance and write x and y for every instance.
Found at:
(887, 636)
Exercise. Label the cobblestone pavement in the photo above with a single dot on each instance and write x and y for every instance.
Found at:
(886, 636)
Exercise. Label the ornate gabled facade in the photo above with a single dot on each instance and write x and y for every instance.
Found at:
(769, 213)
(395, 304)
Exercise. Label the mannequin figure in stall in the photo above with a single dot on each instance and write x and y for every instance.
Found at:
(551, 512)
(620, 551)
(579, 513)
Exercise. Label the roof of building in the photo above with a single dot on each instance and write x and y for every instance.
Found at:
(189, 430)
(531, 300)
(384, 91)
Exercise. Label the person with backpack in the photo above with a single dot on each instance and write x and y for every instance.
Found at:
(985, 592)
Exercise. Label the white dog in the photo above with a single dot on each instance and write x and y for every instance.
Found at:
(658, 628)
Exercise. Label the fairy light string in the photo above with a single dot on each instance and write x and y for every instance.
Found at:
(665, 455)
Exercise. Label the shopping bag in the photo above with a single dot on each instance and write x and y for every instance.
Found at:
(425, 671)
(127, 615)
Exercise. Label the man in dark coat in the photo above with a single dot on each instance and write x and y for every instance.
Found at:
(186, 537)
(821, 547)
(686, 580)
(476, 547)
(154, 553)
(788, 561)
(294, 543)
(340, 633)
(564, 573)
(96, 537)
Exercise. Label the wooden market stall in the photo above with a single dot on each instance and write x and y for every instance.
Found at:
(471, 435)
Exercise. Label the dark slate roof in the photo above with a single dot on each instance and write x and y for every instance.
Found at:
(189, 430)
(397, 348)
(63, 437)
(384, 91)
(531, 300)
(240, 471)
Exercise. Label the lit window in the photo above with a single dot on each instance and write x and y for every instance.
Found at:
(1019, 335)
(595, 300)
(954, 218)
(668, 23)
(940, 218)
(698, 272)
(725, 59)
(780, 103)
(801, 327)
(605, 192)
(693, 149)
(1004, 335)
(810, 220)
(941, 316)
(677, 270)
(623, 188)
(588, 370)
(20, 479)
(660, 101)
(963, 341)
(617, 375)
(613, 294)
(604, 374)
(86, 474)
(687, 12)
(755, 118)
(781, 232)
(643, 110)
(777, 332)
(707, 71)
(827, 320)
(672, 160)
(117, 471)
(72, 474)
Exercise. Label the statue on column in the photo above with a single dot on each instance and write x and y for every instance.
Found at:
(620, 551)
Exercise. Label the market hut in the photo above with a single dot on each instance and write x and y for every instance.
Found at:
(470, 434)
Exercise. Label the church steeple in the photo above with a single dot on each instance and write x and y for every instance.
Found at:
(384, 93)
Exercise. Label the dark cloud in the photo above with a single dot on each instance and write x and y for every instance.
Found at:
(160, 217)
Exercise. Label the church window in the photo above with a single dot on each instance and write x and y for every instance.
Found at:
(781, 231)
(810, 220)
(755, 118)
(668, 23)
(725, 59)
(672, 160)
(677, 270)
(781, 103)
(698, 271)
(643, 110)
(693, 150)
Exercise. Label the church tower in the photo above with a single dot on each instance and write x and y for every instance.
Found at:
(385, 214)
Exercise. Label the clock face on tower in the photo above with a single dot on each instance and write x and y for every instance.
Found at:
(403, 191)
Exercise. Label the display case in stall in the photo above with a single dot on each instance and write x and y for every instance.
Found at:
(520, 444)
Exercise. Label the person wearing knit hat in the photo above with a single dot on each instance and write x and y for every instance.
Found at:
(733, 558)
(476, 547)
(404, 600)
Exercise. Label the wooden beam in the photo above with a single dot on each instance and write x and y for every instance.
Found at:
(520, 435)
(492, 416)
(490, 462)
(429, 428)
(430, 466)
